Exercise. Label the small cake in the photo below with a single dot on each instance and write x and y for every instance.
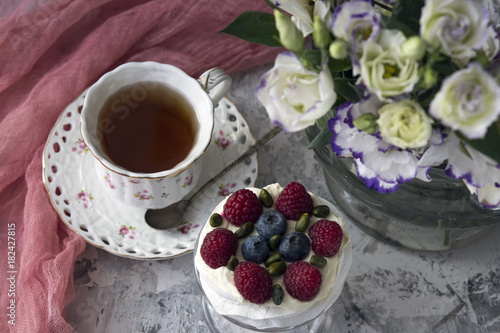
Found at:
(273, 257)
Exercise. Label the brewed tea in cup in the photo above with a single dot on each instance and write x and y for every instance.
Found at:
(147, 124)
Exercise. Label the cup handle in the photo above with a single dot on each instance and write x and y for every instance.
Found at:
(216, 83)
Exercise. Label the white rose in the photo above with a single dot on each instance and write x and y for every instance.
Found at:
(303, 12)
(457, 27)
(294, 96)
(385, 71)
(468, 101)
(404, 124)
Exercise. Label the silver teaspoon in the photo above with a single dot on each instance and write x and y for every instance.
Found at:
(171, 216)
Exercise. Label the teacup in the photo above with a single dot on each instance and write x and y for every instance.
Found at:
(142, 161)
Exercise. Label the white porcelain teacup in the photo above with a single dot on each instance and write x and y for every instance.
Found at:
(115, 97)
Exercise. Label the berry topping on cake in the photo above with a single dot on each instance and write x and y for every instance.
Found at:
(218, 246)
(294, 201)
(295, 246)
(271, 223)
(253, 282)
(242, 206)
(302, 280)
(326, 238)
(255, 248)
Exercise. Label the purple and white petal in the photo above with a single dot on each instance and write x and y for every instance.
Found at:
(380, 167)
(465, 162)
(373, 182)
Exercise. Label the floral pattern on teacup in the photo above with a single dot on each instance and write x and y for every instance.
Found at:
(222, 141)
(127, 231)
(224, 189)
(135, 181)
(187, 228)
(187, 181)
(108, 180)
(80, 147)
(84, 198)
(143, 195)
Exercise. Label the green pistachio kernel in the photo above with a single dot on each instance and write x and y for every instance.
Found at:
(277, 294)
(274, 242)
(232, 263)
(317, 261)
(321, 211)
(265, 198)
(245, 230)
(273, 257)
(277, 268)
(302, 223)
(215, 220)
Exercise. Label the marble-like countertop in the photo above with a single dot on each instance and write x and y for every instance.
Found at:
(387, 289)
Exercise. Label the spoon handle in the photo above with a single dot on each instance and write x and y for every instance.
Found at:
(262, 141)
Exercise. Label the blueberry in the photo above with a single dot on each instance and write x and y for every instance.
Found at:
(271, 223)
(295, 246)
(255, 248)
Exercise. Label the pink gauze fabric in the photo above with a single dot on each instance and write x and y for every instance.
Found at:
(50, 51)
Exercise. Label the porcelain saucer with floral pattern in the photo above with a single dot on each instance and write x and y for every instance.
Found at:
(77, 196)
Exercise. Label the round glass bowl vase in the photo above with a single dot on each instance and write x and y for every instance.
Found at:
(435, 216)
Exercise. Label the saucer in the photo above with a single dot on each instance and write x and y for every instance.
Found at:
(77, 195)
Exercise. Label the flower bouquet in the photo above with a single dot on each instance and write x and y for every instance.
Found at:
(399, 86)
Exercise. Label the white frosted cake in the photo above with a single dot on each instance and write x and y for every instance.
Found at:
(250, 301)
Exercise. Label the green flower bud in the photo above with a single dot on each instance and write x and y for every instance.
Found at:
(430, 78)
(413, 48)
(321, 36)
(338, 49)
(290, 37)
(367, 123)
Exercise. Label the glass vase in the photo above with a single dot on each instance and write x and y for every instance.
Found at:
(436, 215)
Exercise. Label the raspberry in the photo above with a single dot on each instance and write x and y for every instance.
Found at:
(253, 282)
(242, 206)
(218, 246)
(294, 201)
(326, 238)
(302, 280)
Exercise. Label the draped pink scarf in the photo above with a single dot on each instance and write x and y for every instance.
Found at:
(50, 51)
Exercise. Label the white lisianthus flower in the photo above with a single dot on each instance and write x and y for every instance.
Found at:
(404, 124)
(357, 23)
(468, 101)
(304, 11)
(380, 166)
(456, 27)
(385, 71)
(294, 96)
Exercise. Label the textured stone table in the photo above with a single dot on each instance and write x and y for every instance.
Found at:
(387, 289)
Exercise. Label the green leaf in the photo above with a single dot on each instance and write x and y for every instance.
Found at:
(488, 145)
(406, 16)
(349, 91)
(322, 139)
(339, 65)
(311, 59)
(254, 27)
(445, 68)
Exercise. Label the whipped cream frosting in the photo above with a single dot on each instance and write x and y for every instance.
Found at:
(218, 284)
